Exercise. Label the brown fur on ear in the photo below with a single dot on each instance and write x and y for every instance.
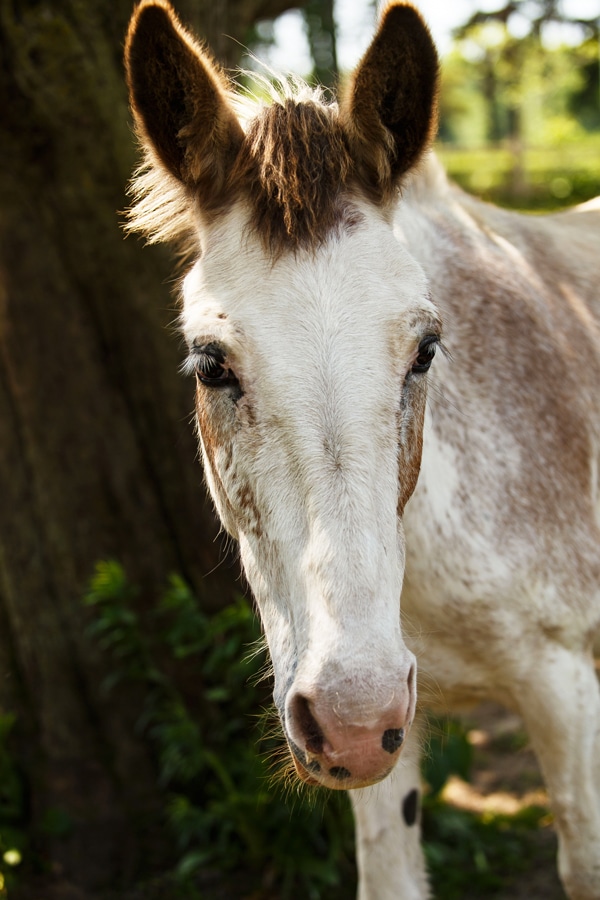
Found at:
(390, 110)
(179, 101)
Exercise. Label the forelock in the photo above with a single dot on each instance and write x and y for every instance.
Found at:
(294, 167)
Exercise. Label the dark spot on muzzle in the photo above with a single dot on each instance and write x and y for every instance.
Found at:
(340, 773)
(392, 739)
(410, 807)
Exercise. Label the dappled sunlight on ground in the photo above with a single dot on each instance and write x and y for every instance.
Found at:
(505, 780)
(465, 796)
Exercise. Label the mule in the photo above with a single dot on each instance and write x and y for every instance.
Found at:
(330, 252)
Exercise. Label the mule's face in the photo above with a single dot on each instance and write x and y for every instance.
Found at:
(310, 333)
(310, 398)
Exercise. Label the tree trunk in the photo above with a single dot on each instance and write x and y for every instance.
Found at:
(97, 454)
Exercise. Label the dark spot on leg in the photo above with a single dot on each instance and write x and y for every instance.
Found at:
(392, 739)
(410, 807)
(340, 773)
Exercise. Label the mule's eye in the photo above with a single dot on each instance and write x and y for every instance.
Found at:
(209, 366)
(427, 349)
(210, 370)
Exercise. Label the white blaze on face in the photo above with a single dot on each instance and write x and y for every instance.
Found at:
(302, 453)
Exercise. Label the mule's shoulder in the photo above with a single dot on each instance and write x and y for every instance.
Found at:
(590, 206)
(451, 231)
(583, 223)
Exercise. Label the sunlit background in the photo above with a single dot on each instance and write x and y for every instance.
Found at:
(520, 97)
(355, 21)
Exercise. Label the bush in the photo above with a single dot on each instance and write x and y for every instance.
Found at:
(224, 807)
(226, 810)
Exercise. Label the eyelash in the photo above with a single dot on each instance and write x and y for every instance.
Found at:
(208, 364)
(425, 354)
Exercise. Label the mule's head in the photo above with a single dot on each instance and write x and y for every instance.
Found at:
(310, 333)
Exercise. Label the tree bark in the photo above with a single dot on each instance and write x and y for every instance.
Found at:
(97, 454)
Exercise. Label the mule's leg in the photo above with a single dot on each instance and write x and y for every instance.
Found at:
(388, 832)
(560, 704)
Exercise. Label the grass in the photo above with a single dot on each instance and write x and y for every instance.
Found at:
(549, 178)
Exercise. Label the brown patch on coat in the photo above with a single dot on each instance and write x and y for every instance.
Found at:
(525, 367)
(410, 439)
(213, 440)
(234, 492)
(249, 511)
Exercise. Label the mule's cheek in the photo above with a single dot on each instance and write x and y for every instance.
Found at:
(216, 433)
(410, 442)
(266, 576)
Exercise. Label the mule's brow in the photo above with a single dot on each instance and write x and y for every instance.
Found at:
(214, 348)
(426, 323)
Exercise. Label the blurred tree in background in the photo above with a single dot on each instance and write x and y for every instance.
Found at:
(506, 87)
(513, 67)
(320, 29)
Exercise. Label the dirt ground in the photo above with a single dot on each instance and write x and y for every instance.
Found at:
(505, 779)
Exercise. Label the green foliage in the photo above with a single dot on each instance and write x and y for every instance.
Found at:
(552, 178)
(220, 804)
(448, 753)
(57, 823)
(470, 854)
(514, 116)
(222, 807)
(584, 103)
(496, 87)
(475, 855)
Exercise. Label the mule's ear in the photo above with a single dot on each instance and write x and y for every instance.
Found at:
(390, 110)
(179, 99)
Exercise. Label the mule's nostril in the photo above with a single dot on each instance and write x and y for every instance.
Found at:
(314, 743)
(307, 725)
(392, 739)
(340, 773)
(311, 764)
